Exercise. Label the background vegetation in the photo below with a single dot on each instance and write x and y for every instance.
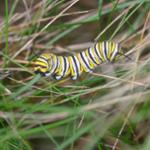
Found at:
(109, 109)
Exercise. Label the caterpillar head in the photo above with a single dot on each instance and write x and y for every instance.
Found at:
(121, 54)
(117, 53)
(43, 64)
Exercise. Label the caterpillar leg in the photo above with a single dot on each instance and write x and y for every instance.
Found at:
(90, 71)
(47, 74)
(74, 77)
(57, 77)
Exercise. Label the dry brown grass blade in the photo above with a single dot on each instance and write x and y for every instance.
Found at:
(92, 106)
(114, 21)
(123, 80)
(44, 28)
(138, 52)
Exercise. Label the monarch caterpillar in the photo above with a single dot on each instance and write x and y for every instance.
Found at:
(49, 64)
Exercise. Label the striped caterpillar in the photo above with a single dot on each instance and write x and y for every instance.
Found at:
(58, 67)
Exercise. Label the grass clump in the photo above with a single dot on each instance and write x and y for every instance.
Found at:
(108, 109)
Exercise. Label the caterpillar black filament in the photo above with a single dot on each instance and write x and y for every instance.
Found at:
(49, 64)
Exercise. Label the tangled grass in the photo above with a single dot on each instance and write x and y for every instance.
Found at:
(108, 109)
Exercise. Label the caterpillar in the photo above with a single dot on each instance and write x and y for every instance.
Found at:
(58, 67)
